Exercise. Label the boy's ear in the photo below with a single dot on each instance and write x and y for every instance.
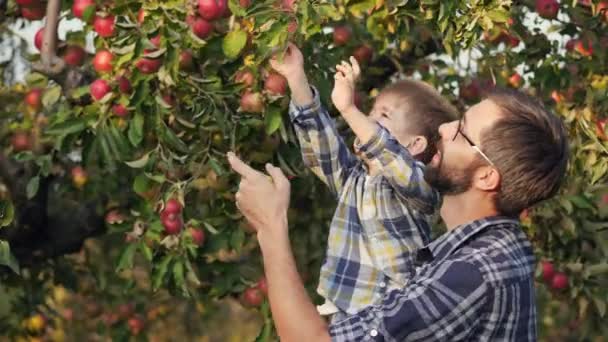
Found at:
(418, 145)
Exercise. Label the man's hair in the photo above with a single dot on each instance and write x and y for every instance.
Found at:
(529, 146)
(425, 110)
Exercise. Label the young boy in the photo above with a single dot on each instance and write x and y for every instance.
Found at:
(384, 204)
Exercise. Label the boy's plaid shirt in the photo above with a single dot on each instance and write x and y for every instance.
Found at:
(379, 219)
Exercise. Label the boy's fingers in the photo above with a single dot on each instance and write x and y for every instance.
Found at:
(356, 66)
(240, 167)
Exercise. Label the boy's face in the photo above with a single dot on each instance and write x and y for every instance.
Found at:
(389, 111)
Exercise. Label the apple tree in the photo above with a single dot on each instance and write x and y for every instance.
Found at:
(117, 202)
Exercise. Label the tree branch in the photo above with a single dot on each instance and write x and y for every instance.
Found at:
(50, 64)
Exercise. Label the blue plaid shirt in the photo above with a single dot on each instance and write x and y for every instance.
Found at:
(475, 283)
(378, 220)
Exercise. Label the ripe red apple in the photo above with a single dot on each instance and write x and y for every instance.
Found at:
(171, 221)
(21, 141)
(470, 91)
(104, 26)
(33, 99)
(263, 285)
(35, 12)
(99, 88)
(103, 61)
(584, 47)
(186, 60)
(511, 40)
(114, 216)
(245, 77)
(136, 324)
(169, 99)
(548, 271)
(253, 297)
(252, 102)
(515, 80)
(120, 110)
(275, 84)
(292, 27)
(201, 27)
(79, 176)
(288, 5)
(39, 39)
(74, 55)
(363, 54)
(341, 35)
(547, 8)
(124, 85)
(149, 65)
(602, 10)
(600, 127)
(156, 40)
(173, 206)
(570, 44)
(559, 281)
(198, 236)
(211, 9)
(245, 3)
(80, 6)
(141, 15)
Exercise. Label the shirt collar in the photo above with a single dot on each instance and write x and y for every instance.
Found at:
(447, 243)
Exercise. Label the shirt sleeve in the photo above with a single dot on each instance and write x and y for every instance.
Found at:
(404, 173)
(323, 150)
(446, 304)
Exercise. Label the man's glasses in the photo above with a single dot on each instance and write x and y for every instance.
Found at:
(471, 143)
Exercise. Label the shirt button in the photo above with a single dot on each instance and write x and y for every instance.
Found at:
(374, 333)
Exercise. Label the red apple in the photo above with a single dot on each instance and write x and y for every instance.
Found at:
(511, 40)
(245, 77)
(559, 281)
(570, 44)
(602, 10)
(169, 99)
(79, 176)
(198, 236)
(245, 3)
(124, 85)
(547, 8)
(341, 35)
(186, 60)
(275, 84)
(148, 65)
(104, 26)
(156, 40)
(21, 141)
(39, 39)
(600, 127)
(470, 91)
(263, 285)
(33, 12)
(141, 15)
(201, 27)
(103, 61)
(548, 271)
(363, 54)
(211, 9)
(74, 55)
(120, 110)
(99, 88)
(253, 297)
(252, 102)
(173, 206)
(114, 217)
(33, 99)
(515, 80)
(584, 47)
(136, 324)
(288, 5)
(557, 96)
(171, 221)
(292, 27)
(80, 6)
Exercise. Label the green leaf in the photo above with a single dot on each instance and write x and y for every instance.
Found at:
(126, 258)
(237, 239)
(233, 43)
(67, 127)
(51, 96)
(172, 139)
(141, 184)
(88, 14)
(146, 251)
(7, 212)
(7, 258)
(136, 129)
(160, 271)
(236, 9)
(32, 187)
(139, 163)
(273, 120)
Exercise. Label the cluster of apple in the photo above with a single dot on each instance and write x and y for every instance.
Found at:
(254, 295)
(557, 281)
(172, 220)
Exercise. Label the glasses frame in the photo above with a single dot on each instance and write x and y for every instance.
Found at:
(471, 143)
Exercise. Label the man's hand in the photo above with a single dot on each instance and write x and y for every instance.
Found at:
(343, 95)
(291, 66)
(263, 200)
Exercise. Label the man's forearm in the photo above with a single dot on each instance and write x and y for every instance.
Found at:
(363, 127)
(294, 314)
(301, 94)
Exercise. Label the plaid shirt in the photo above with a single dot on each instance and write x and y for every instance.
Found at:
(475, 283)
(378, 219)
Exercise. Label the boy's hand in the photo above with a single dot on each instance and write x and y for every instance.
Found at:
(343, 95)
(291, 65)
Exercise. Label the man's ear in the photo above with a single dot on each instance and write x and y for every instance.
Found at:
(487, 178)
(418, 145)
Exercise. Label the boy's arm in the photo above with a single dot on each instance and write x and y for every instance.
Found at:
(323, 150)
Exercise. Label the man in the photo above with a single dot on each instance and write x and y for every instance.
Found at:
(475, 282)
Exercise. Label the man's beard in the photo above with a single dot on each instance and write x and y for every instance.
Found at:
(450, 181)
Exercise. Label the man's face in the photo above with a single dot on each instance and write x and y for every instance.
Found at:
(389, 112)
(452, 169)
